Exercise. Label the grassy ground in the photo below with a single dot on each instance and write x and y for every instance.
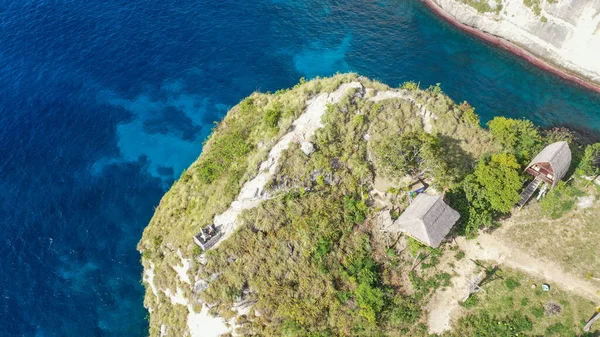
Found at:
(312, 259)
(558, 229)
(514, 292)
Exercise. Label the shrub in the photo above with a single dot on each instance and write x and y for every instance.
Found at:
(537, 311)
(518, 136)
(511, 283)
(500, 181)
(560, 200)
(410, 85)
(471, 302)
(226, 150)
(272, 115)
(469, 114)
(590, 163)
(412, 153)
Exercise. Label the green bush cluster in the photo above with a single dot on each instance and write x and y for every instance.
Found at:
(482, 6)
(417, 154)
(590, 163)
(535, 5)
(518, 136)
(560, 200)
(490, 191)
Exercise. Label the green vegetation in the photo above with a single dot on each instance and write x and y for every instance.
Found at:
(494, 313)
(518, 136)
(412, 153)
(511, 283)
(489, 192)
(560, 200)
(496, 182)
(311, 260)
(535, 6)
(590, 163)
(558, 229)
(482, 6)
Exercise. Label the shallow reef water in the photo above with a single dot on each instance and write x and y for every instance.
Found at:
(104, 103)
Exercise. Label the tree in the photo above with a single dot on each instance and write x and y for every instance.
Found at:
(500, 180)
(413, 153)
(590, 163)
(517, 136)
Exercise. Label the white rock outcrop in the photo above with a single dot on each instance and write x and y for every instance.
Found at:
(565, 32)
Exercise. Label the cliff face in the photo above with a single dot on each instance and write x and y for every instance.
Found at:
(563, 32)
(298, 183)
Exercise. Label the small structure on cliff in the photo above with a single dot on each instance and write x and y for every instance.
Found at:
(552, 164)
(428, 219)
(548, 167)
(208, 237)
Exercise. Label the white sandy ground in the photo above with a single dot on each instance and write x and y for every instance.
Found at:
(182, 270)
(149, 277)
(585, 202)
(201, 324)
(253, 191)
(444, 305)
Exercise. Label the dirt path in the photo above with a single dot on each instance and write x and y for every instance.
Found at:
(444, 305)
(489, 247)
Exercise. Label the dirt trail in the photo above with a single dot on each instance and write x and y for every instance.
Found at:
(444, 305)
(493, 248)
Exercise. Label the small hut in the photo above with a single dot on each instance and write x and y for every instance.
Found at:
(551, 164)
(428, 219)
(207, 237)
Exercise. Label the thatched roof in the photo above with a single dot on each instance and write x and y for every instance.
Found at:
(427, 219)
(558, 155)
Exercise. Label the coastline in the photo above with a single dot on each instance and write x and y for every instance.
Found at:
(514, 49)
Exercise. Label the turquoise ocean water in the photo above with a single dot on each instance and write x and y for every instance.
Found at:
(104, 103)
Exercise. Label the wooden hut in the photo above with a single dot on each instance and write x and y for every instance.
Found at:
(551, 164)
(428, 219)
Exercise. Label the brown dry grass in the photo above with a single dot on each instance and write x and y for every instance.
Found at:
(571, 240)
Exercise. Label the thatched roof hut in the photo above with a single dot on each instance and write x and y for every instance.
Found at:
(552, 163)
(428, 219)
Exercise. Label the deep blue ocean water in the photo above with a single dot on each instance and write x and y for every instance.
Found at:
(104, 103)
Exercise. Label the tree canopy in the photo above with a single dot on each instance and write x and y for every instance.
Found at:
(499, 176)
(590, 163)
(518, 136)
(413, 153)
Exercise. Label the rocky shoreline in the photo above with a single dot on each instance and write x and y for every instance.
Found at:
(515, 49)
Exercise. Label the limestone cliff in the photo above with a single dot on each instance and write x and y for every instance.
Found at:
(564, 32)
(290, 180)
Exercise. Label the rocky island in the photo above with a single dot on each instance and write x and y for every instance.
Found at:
(293, 221)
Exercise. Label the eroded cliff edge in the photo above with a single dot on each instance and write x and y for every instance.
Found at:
(304, 185)
(289, 177)
(563, 33)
